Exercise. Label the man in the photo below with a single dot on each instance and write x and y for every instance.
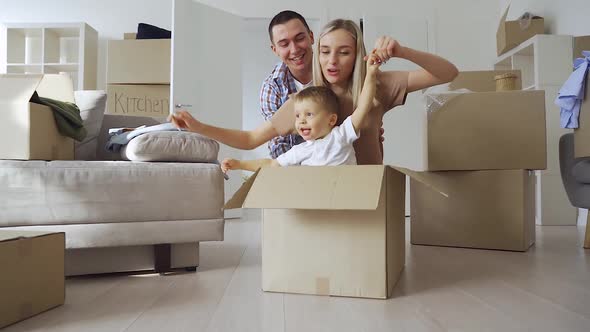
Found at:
(292, 41)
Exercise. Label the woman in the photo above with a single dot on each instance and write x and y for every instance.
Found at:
(338, 64)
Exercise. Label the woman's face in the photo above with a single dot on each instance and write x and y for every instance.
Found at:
(337, 56)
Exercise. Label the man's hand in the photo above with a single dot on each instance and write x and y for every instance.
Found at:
(184, 120)
(229, 164)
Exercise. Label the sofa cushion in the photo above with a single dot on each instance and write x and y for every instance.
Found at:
(87, 192)
(118, 121)
(92, 106)
(179, 146)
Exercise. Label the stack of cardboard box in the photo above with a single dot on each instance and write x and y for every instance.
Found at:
(481, 149)
(138, 77)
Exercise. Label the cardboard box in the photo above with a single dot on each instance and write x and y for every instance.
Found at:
(329, 230)
(28, 130)
(487, 130)
(145, 61)
(581, 43)
(32, 278)
(582, 133)
(484, 209)
(510, 33)
(482, 81)
(138, 100)
(129, 35)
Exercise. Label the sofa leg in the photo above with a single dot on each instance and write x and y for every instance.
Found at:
(162, 257)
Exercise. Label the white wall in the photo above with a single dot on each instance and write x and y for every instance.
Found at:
(111, 18)
(465, 29)
(569, 17)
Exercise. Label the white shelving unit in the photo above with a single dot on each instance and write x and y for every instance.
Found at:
(50, 48)
(546, 62)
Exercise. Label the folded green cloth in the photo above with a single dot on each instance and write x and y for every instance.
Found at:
(67, 117)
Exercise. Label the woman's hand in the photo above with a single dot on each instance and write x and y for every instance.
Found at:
(387, 48)
(184, 120)
(229, 164)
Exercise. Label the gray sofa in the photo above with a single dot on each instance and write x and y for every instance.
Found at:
(575, 173)
(118, 216)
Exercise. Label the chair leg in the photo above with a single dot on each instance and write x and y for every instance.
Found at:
(587, 238)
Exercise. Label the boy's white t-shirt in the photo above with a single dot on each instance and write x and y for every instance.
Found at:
(332, 150)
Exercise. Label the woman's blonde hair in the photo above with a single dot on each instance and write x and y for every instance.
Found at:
(359, 71)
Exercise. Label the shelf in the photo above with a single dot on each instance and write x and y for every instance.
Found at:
(62, 66)
(53, 48)
(545, 62)
(24, 69)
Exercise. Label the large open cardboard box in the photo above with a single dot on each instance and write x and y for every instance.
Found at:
(329, 230)
(510, 34)
(32, 278)
(28, 130)
(138, 100)
(141, 61)
(484, 209)
(487, 130)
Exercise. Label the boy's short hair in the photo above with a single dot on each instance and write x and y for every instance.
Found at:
(321, 95)
(284, 17)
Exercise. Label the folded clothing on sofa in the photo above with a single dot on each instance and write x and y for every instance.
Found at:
(162, 142)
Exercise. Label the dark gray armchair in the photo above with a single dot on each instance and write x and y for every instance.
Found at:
(575, 174)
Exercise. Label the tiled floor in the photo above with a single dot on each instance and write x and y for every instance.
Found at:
(442, 289)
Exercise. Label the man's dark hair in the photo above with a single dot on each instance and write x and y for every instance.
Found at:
(284, 17)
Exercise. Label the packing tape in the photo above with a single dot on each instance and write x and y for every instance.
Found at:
(26, 309)
(322, 286)
(24, 247)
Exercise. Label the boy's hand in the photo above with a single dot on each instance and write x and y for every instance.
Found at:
(373, 64)
(229, 164)
(184, 120)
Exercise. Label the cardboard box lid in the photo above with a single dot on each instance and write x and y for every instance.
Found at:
(18, 88)
(317, 187)
(10, 235)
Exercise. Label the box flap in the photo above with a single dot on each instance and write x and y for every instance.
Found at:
(503, 18)
(9, 235)
(423, 178)
(239, 197)
(317, 188)
(58, 87)
(333, 187)
(15, 88)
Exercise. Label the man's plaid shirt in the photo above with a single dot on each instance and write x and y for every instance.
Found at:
(275, 91)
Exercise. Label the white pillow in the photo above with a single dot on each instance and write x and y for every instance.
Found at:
(92, 105)
(179, 146)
